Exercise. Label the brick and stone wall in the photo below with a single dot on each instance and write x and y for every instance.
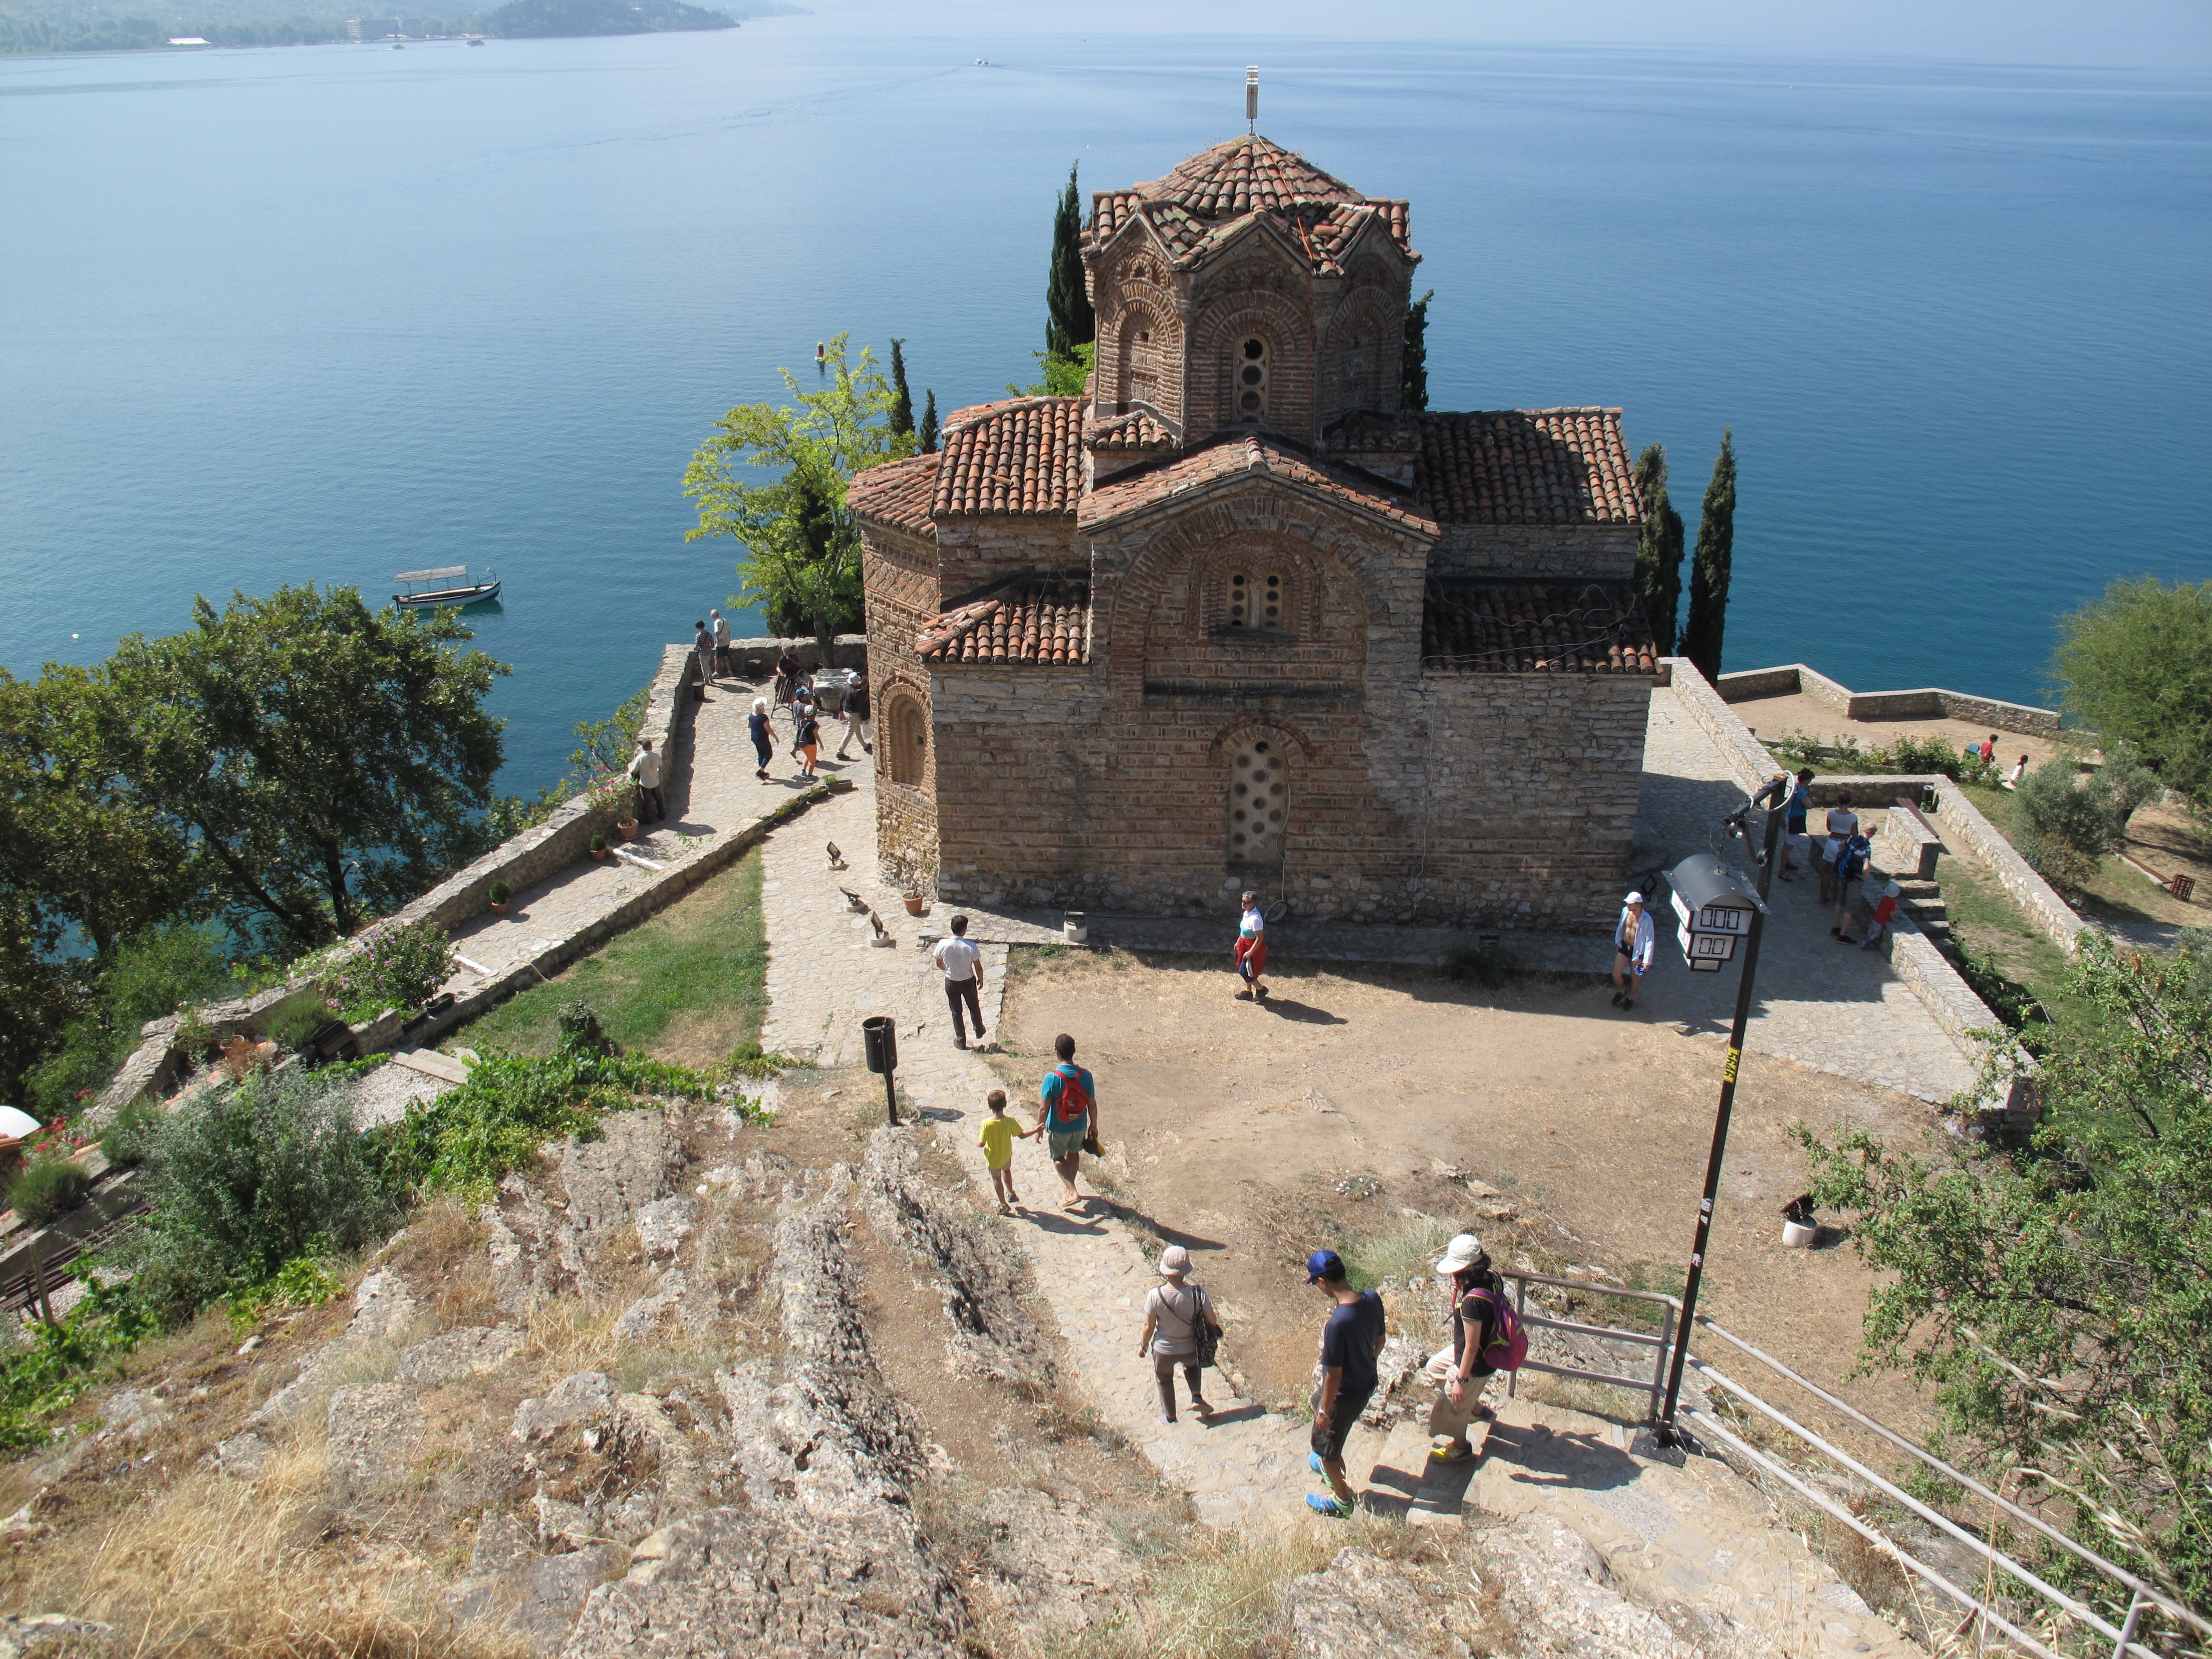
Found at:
(1606, 552)
(971, 553)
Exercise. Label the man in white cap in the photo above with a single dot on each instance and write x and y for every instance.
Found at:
(1633, 940)
(1174, 1312)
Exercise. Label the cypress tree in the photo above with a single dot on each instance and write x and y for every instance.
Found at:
(1708, 569)
(1413, 361)
(1069, 321)
(1658, 548)
(902, 399)
(929, 422)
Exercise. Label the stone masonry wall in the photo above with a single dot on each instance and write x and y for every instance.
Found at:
(902, 585)
(973, 552)
(1492, 550)
(1473, 800)
(1927, 702)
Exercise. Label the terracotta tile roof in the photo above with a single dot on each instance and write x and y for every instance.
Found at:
(897, 493)
(1040, 619)
(1022, 456)
(1239, 456)
(1527, 466)
(1205, 202)
(1137, 429)
(1533, 627)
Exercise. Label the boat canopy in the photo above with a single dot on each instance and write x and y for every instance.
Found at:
(445, 573)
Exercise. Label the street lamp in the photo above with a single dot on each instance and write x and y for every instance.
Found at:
(1711, 899)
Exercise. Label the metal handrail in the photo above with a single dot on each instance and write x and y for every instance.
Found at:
(2112, 1569)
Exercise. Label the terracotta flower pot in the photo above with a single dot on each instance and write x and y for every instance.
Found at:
(599, 855)
(498, 906)
(629, 828)
(915, 904)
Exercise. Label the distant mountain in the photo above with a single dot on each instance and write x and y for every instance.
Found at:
(528, 20)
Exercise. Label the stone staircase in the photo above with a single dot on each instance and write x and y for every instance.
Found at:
(1924, 900)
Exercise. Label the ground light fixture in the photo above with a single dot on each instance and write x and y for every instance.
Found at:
(1705, 885)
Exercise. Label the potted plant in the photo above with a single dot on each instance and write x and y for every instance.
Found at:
(599, 848)
(497, 896)
(629, 828)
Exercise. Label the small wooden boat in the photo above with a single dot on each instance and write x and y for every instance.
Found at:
(447, 588)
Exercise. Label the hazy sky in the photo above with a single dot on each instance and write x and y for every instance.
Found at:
(2171, 35)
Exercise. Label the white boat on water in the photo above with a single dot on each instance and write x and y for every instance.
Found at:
(447, 588)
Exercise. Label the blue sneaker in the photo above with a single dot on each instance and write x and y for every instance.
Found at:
(1328, 1504)
(1313, 1462)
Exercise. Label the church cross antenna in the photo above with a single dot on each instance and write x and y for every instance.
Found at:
(1251, 97)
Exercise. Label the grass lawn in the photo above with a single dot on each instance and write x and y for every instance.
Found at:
(1984, 917)
(2118, 894)
(689, 986)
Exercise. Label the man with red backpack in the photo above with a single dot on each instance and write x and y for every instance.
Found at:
(1487, 1337)
(1069, 1117)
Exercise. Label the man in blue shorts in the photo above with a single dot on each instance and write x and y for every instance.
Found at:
(1069, 1116)
(1351, 1343)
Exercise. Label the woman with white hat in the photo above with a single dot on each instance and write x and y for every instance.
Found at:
(1469, 1289)
(1174, 1313)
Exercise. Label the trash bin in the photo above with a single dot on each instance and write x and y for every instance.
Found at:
(880, 1038)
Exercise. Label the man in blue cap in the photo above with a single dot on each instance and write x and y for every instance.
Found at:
(1351, 1343)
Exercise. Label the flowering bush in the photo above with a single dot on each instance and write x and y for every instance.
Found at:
(398, 968)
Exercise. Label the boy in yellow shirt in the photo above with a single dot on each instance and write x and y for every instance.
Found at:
(997, 1138)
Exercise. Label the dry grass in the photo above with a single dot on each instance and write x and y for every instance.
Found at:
(443, 1259)
(209, 1565)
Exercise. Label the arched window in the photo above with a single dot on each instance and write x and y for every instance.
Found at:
(1251, 388)
(1258, 802)
(906, 737)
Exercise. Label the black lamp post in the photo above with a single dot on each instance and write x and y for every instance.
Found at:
(1771, 796)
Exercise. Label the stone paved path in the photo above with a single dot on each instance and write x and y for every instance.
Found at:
(1694, 1534)
(1834, 1008)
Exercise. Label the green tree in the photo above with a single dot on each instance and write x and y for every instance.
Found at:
(801, 563)
(323, 760)
(902, 415)
(1062, 376)
(1069, 321)
(1709, 566)
(2055, 1292)
(1413, 360)
(2138, 664)
(1658, 548)
(41, 994)
(928, 437)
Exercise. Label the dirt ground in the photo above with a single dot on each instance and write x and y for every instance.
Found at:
(1770, 718)
(1254, 1133)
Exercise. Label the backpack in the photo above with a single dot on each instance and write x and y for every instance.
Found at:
(1509, 1344)
(1851, 862)
(1071, 1092)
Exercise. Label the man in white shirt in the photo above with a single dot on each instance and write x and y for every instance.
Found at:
(645, 772)
(720, 627)
(1633, 940)
(962, 964)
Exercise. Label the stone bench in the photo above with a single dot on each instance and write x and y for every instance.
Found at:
(1907, 845)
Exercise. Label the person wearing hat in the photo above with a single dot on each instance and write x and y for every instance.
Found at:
(1634, 938)
(1469, 1288)
(1173, 1312)
(1351, 1343)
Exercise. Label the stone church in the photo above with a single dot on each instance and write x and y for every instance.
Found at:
(1235, 618)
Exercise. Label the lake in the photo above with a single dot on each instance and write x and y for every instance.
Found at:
(329, 313)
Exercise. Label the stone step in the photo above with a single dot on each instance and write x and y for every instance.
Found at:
(1929, 909)
(1394, 1482)
(1916, 890)
(1442, 1499)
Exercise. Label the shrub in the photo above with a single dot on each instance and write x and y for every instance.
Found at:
(123, 1145)
(244, 1180)
(146, 979)
(498, 892)
(47, 1189)
(2009, 1000)
(2065, 867)
(1910, 756)
(306, 1281)
(468, 1137)
(398, 968)
(598, 843)
(64, 1359)
(2054, 808)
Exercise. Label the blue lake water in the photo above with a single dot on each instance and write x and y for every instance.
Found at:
(328, 313)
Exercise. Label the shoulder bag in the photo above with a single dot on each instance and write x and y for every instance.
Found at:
(1203, 1330)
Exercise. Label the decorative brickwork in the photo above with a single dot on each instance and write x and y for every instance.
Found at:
(1233, 620)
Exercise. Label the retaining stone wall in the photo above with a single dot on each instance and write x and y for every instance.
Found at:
(1927, 703)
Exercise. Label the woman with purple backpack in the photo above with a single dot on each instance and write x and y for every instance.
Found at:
(1487, 1338)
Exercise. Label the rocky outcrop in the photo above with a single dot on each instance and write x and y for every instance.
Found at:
(983, 1274)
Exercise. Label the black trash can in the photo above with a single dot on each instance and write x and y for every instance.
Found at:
(880, 1038)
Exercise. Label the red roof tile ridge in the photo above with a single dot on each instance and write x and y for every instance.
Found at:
(899, 493)
(961, 418)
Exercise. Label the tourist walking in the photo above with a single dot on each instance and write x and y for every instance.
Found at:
(1068, 1117)
(786, 677)
(962, 964)
(856, 714)
(1471, 1292)
(718, 626)
(806, 739)
(762, 734)
(702, 644)
(1843, 824)
(1634, 938)
(1250, 955)
(1174, 1313)
(997, 1137)
(645, 773)
(1793, 822)
(1850, 870)
(1351, 1343)
(1990, 749)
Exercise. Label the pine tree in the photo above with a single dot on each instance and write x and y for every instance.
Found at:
(1658, 549)
(1413, 362)
(902, 415)
(1708, 569)
(1069, 321)
(929, 422)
